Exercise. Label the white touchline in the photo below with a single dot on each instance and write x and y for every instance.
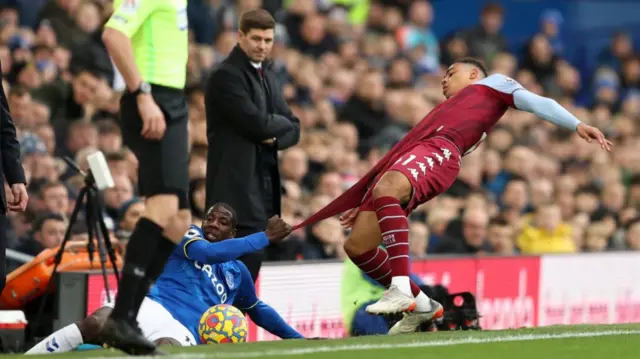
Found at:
(415, 344)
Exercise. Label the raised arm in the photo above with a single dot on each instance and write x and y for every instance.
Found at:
(551, 111)
(545, 108)
(514, 95)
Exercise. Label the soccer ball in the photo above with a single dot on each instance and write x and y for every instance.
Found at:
(222, 323)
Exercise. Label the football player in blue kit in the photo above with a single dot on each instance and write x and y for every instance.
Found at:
(201, 272)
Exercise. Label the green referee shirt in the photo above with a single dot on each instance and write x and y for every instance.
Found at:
(159, 34)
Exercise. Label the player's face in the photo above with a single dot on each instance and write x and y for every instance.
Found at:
(458, 76)
(218, 225)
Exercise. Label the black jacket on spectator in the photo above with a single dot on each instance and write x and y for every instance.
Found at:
(242, 113)
(10, 163)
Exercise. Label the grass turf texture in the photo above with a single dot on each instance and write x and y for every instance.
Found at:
(584, 342)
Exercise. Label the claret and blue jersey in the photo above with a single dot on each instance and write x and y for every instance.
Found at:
(200, 274)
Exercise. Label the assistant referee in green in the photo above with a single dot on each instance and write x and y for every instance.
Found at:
(148, 42)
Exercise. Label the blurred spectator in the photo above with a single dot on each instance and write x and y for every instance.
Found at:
(116, 196)
(418, 240)
(485, 40)
(550, 22)
(128, 214)
(417, 36)
(500, 237)
(48, 232)
(546, 233)
(472, 236)
(55, 198)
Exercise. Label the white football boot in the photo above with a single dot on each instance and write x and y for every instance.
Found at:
(393, 301)
(412, 321)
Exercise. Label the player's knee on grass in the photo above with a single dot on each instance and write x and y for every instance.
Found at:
(393, 184)
(178, 226)
(365, 235)
(167, 341)
(161, 208)
(91, 326)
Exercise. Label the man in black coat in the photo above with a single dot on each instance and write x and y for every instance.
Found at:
(248, 121)
(11, 169)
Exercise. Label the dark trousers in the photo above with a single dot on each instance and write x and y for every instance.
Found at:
(4, 227)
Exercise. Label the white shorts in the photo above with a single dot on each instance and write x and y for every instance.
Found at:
(156, 323)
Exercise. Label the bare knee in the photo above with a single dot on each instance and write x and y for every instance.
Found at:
(393, 184)
(365, 235)
(161, 208)
(91, 326)
(178, 226)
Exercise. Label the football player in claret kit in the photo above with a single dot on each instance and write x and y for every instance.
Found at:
(422, 165)
(201, 272)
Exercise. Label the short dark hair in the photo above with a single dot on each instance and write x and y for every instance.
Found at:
(43, 218)
(52, 184)
(108, 127)
(256, 19)
(234, 215)
(498, 221)
(18, 91)
(474, 62)
(492, 8)
(591, 189)
(115, 156)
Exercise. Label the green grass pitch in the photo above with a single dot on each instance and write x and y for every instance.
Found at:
(561, 342)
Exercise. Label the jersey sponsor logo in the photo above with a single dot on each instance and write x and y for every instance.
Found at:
(217, 285)
(388, 239)
(423, 168)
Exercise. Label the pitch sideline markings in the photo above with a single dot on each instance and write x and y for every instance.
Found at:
(420, 344)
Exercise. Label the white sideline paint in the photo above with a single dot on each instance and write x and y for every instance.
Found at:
(415, 344)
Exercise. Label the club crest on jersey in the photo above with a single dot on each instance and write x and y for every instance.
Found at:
(231, 282)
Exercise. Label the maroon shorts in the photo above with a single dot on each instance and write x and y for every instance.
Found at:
(431, 166)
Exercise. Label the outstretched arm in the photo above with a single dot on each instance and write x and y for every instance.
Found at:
(514, 95)
(545, 108)
(551, 111)
(203, 251)
(261, 313)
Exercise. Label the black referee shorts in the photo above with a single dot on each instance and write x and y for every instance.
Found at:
(163, 165)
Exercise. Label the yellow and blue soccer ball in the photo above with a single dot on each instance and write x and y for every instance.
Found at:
(222, 323)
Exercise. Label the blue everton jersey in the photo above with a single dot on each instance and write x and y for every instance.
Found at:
(187, 288)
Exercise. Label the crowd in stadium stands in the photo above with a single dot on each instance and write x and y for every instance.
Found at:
(358, 79)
